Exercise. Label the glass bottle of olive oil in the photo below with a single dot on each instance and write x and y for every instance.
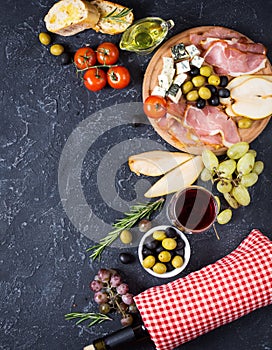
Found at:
(145, 35)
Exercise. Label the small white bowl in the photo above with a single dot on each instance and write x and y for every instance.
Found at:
(187, 252)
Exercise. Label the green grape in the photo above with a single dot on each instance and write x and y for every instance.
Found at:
(253, 152)
(205, 175)
(258, 167)
(104, 308)
(237, 150)
(210, 160)
(246, 164)
(224, 217)
(231, 200)
(241, 194)
(249, 179)
(227, 167)
(218, 203)
(224, 186)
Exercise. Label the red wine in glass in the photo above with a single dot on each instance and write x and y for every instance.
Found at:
(193, 209)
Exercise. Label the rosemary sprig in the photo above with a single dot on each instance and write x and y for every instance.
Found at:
(136, 213)
(118, 16)
(95, 317)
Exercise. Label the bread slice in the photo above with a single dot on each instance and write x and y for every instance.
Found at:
(112, 25)
(68, 17)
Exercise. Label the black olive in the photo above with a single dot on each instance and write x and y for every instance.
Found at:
(126, 258)
(146, 252)
(223, 93)
(64, 58)
(200, 103)
(194, 71)
(223, 81)
(212, 89)
(159, 249)
(214, 101)
(169, 267)
(152, 244)
(180, 252)
(180, 244)
(171, 232)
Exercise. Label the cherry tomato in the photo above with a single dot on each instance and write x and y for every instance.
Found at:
(118, 77)
(107, 53)
(155, 107)
(95, 79)
(85, 57)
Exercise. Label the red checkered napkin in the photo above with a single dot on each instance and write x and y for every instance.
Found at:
(219, 293)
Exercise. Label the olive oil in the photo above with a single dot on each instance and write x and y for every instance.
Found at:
(145, 35)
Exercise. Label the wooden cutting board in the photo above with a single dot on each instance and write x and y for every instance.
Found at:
(150, 81)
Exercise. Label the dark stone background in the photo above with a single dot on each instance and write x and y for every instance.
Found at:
(44, 267)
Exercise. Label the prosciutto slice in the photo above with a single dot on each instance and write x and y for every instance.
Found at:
(241, 44)
(229, 60)
(217, 32)
(211, 121)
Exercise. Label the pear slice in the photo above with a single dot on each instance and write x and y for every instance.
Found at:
(178, 178)
(253, 98)
(242, 78)
(156, 163)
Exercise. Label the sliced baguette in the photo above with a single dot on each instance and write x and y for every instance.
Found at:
(69, 17)
(110, 25)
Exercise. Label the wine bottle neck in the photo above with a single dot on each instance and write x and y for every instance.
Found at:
(120, 337)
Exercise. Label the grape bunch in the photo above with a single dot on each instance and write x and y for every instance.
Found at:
(112, 295)
(233, 176)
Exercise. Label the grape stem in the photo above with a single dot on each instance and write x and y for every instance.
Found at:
(114, 300)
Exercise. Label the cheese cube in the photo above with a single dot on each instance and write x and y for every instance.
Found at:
(164, 81)
(174, 93)
(197, 61)
(179, 53)
(158, 91)
(183, 66)
(168, 63)
(180, 79)
(192, 50)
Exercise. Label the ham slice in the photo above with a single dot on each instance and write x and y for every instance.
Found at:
(217, 32)
(231, 61)
(211, 121)
(241, 44)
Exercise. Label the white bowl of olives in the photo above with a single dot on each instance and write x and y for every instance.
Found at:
(164, 251)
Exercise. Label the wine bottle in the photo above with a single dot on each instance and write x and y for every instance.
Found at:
(118, 338)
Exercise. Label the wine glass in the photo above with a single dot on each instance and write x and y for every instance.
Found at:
(193, 209)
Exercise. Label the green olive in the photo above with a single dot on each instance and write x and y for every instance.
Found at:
(149, 261)
(126, 237)
(206, 71)
(159, 268)
(177, 261)
(192, 95)
(45, 38)
(214, 80)
(198, 81)
(164, 256)
(159, 235)
(169, 243)
(244, 123)
(187, 86)
(204, 93)
(56, 49)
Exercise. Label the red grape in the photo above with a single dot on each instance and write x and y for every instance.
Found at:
(122, 289)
